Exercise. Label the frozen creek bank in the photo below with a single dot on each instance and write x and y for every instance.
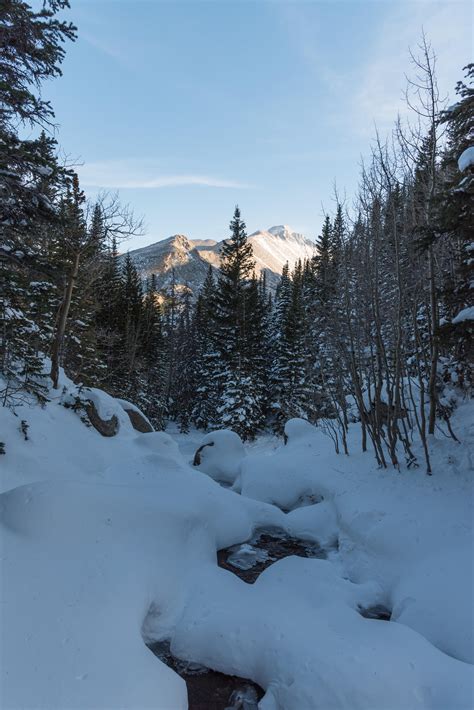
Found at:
(105, 542)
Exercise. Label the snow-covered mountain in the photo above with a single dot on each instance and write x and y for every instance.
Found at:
(177, 255)
(189, 259)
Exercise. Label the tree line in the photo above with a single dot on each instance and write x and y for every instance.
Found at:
(375, 328)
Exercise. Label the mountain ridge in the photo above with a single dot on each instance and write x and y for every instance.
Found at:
(187, 260)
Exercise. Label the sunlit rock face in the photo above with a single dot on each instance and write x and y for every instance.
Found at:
(183, 263)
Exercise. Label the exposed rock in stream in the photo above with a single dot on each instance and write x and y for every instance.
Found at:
(208, 689)
(266, 546)
(378, 611)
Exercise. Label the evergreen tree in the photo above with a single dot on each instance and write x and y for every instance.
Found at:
(277, 410)
(108, 316)
(184, 381)
(153, 398)
(126, 379)
(456, 207)
(240, 405)
(206, 360)
(321, 308)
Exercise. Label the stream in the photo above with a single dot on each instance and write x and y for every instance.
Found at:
(210, 690)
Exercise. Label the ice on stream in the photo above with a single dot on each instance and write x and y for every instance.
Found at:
(246, 556)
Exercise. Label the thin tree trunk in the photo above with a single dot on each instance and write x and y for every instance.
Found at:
(434, 345)
(62, 320)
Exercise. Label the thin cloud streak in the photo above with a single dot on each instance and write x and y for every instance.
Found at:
(133, 176)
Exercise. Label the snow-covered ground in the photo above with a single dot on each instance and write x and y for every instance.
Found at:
(105, 541)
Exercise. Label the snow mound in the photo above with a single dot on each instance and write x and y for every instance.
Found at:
(436, 589)
(159, 442)
(220, 455)
(465, 314)
(466, 159)
(298, 430)
(296, 632)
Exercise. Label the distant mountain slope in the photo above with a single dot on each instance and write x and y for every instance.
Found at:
(190, 258)
(178, 254)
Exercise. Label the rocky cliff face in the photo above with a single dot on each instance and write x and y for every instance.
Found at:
(187, 260)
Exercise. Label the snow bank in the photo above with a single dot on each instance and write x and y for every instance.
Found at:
(411, 534)
(436, 599)
(101, 530)
(297, 633)
(79, 566)
(103, 539)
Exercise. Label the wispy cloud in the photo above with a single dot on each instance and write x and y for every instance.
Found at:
(112, 51)
(448, 27)
(371, 89)
(145, 175)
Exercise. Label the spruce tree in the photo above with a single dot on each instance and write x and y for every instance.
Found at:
(206, 363)
(278, 345)
(153, 351)
(456, 209)
(323, 271)
(240, 405)
(184, 382)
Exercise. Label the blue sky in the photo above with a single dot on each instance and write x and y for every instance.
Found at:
(188, 108)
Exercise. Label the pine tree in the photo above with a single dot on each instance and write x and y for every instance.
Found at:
(277, 411)
(20, 366)
(83, 359)
(153, 399)
(126, 378)
(240, 405)
(108, 316)
(323, 293)
(206, 361)
(258, 352)
(74, 238)
(296, 389)
(184, 382)
(456, 207)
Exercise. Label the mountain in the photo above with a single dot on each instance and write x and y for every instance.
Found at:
(176, 254)
(189, 259)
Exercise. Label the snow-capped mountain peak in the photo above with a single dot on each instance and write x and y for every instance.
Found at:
(187, 260)
(285, 232)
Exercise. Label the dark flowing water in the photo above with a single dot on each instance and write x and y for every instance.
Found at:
(266, 546)
(208, 689)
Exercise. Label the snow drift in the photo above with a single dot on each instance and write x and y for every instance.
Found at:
(109, 540)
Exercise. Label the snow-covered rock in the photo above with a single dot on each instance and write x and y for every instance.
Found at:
(220, 455)
(138, 420)
(466, 159)
(465, 314)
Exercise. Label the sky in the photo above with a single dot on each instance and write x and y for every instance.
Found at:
(187, 108)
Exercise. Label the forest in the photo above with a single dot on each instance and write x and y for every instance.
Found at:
(375, 328)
